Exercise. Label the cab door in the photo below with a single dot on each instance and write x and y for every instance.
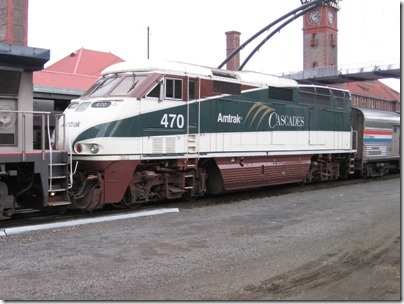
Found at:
(193, 111)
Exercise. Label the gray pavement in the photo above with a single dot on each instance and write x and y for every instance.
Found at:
(311, 245)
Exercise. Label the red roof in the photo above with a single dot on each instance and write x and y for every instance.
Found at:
(374, 89)
(77, 71)
(71, 81)
(85, 62)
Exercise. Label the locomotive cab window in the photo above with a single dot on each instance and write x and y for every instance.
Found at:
(155, 92)
(174, 88)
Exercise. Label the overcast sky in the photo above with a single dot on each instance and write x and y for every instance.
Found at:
(194, 31)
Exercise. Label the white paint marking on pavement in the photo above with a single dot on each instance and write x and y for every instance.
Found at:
(18, 230)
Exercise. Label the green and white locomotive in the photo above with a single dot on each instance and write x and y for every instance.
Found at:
(161, 130)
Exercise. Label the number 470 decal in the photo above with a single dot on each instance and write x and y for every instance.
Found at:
(172, 121)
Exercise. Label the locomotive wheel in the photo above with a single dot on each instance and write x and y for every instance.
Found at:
(128, 201)
(188, 196)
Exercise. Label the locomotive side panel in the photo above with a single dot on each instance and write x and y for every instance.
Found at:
(29, 177)
(235, 124)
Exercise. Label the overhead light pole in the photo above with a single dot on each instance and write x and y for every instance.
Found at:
(148, 42)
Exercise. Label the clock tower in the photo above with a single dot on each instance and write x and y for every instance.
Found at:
(320, 36)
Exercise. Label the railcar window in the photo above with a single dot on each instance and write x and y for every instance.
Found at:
(174, 88)
(226, 87)
(283, 94)
(127, 85)
(9, 82)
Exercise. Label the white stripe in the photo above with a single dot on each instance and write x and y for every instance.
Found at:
(18, 230)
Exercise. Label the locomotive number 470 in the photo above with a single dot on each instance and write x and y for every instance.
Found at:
(172, 121)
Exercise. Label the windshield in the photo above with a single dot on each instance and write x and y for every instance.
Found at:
(103, 85)
(115, 85)
(127, 85)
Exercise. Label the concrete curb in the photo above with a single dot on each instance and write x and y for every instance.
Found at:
(18, 230)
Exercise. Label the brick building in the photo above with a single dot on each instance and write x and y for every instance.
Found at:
(320, 49)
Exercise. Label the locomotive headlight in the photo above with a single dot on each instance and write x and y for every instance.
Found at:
(94, 148)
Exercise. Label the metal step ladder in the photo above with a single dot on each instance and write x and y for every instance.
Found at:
(192, 143)
(58, 183)
(351, 164)
(189, 177)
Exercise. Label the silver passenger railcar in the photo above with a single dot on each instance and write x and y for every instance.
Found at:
(378, 141)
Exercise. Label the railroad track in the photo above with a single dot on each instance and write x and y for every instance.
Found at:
(28, 217)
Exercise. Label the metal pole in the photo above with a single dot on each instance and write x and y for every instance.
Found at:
(24, 152)
(148, 43)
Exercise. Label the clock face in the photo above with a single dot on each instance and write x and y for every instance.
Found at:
(314, 16)
(331, 17)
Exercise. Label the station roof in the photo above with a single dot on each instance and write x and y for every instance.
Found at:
(360, 81)
(374, 89)
(75, 73)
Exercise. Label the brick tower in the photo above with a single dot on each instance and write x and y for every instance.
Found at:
(232, 43)
(320, 29)
(14, 21)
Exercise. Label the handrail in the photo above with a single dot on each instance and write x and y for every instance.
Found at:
(58, 118)
(50, 154)
(24, 129)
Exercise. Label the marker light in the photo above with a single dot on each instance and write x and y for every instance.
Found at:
(94, 148)
(79, 148)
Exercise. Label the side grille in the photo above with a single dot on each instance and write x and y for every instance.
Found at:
(7, 139)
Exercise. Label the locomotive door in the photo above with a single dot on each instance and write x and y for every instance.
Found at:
(193, 115)
(395, 145)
